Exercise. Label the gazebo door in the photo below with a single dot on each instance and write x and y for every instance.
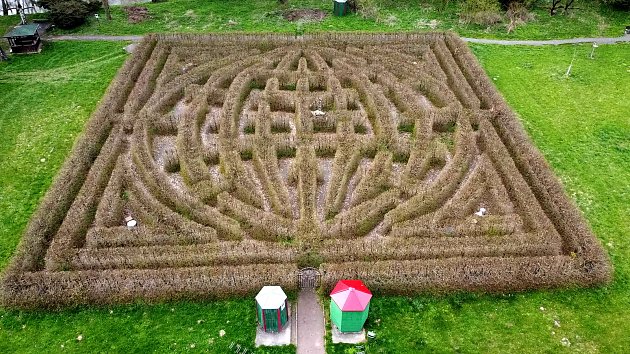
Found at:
(271, 320)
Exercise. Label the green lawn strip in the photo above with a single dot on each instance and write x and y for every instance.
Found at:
(406, 15)
(580, 124)
(140, 328)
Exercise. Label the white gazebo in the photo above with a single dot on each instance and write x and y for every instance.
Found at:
(271, 306)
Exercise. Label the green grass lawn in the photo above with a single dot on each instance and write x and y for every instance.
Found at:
(580, 123)
(401, 15)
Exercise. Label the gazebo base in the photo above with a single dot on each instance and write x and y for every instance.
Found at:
(347, 337)
(269, 339)
(27, 49)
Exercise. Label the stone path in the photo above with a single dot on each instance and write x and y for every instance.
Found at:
(598, 40)
(310, 324)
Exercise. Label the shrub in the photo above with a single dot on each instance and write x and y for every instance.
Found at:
(518, 14)
(481, 12)
(365, 8)
(69, 13)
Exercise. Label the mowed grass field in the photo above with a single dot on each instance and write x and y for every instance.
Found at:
(579, 122)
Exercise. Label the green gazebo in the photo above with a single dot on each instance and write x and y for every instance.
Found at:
(271, 309)
(24, 39)
(349, 305)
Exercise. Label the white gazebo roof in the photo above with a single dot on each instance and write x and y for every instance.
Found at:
(270, 297)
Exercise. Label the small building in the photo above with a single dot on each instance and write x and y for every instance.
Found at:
(272, 309)
(24, 39)
(349, 305)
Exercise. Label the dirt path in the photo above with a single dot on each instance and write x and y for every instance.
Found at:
(310, 324)
(599, 40)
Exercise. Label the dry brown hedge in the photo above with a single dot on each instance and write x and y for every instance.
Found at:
(242, 155)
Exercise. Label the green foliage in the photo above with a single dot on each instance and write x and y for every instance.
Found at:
(406, 128)
(287, 86)
(360, 129)
(286, 153)
(249, 129)
(257, 84)
(309, 259)
(69, 14)
(246, 155)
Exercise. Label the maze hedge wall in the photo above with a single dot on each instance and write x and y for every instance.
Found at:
(244, 157)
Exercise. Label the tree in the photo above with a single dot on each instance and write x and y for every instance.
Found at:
(108, 14)
(5, 7)
(557, 5)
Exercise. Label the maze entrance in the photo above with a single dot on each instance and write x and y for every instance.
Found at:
(308, 278)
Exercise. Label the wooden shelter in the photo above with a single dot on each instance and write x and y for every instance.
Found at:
(272, 308)
(349, 305)
(24, 39)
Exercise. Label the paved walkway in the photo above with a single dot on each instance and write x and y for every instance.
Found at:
(310, 324)
(93, 38)
(600, 40)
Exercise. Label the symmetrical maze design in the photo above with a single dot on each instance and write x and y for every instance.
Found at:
(390, 158)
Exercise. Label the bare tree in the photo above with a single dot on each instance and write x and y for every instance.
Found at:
(557, 5)
(569, 5)
(5, 7)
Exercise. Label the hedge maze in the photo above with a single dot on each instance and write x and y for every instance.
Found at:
(246, 157)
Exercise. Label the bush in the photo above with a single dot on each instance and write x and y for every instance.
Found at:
(518, 14)
(481, 12)
(365, 8)
(69, 13)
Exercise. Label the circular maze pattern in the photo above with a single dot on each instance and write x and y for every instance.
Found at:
(390, 158)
